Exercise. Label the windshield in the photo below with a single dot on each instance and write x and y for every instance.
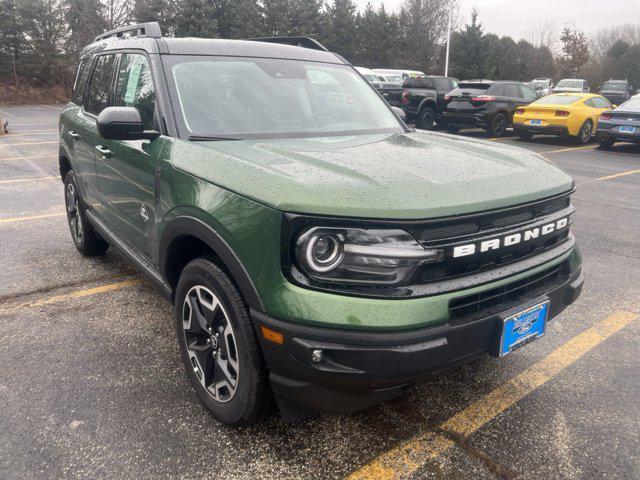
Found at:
(557, 100)
(257, 98)
(570, 83)
(632, 105)
(622, 87)
(539, 85)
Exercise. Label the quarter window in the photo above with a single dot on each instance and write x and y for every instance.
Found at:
(599, 102)
(529, 95)
(97, 98)
(81, 80)
(134, 87)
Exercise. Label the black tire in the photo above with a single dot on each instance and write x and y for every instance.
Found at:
(525, 135)
(605, 143)
(452, 129)
(498, 125)
(85, 238)
(426, 119)
(245, 371)
(585, 133)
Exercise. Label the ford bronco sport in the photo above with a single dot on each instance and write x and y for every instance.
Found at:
(318, 252)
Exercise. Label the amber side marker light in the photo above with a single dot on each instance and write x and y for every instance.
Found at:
(272, 335)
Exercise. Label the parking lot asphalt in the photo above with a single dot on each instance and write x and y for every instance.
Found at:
(92, 386)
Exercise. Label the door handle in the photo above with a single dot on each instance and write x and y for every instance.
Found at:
(105, 152)
(74, 135)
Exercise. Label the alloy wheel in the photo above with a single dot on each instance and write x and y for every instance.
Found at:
(500, 126)
(73, 213)
(211, 343)
(585, 133)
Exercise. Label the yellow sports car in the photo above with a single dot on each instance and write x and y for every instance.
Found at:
(565, 114)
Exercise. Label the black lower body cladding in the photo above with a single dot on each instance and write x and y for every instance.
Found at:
(341, 371)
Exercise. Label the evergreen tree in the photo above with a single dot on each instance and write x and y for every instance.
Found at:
(86, 19)
(11, 41)
(196, 18)
(341, 30)
(467, 51)
(238, 18)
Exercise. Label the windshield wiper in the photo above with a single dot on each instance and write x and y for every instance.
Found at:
(205, 138)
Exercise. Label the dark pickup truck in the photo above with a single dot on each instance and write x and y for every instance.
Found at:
(421, 98)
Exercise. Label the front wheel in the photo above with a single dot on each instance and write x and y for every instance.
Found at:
(218, 345)
(585, 133)
(86, 239)
(426, 118)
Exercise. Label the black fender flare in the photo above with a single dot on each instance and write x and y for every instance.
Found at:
(428, 102)
(183, 226)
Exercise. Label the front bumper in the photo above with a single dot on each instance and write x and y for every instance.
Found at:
(358, 369)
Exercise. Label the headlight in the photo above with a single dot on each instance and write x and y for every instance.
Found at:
(359, 256)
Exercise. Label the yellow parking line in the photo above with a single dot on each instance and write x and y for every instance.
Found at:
(30, 217)
(621, 174)
(571, 149)
(24, 180)
(409, 456)
(3, 144)
(109, 287)
(26, 157)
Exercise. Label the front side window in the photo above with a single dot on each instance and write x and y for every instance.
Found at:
(134, 87)
(529, 95)
(97, 98)
(271, 98)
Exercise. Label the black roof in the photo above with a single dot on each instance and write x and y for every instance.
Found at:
(214, 47)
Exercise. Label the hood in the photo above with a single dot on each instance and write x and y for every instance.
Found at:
(400, 176)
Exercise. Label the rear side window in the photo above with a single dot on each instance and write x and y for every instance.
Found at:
(599, 102)
(409, 82)
(444, 84)
(134, 87)
(511, 90)
(498, 89)
(97, 98)
(80, 83)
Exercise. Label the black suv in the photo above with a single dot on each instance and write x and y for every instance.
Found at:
(616, 91)
(485, 104)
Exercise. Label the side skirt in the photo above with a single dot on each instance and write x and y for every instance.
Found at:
(139, 263)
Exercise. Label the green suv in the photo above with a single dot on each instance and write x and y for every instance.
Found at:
(318, 252)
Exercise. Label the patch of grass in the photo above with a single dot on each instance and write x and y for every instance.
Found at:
(27, 94)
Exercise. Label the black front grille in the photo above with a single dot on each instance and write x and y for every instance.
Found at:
(477, 224)
(491, 302)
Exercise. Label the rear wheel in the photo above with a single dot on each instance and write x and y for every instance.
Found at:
(218, 345)
(86, 239)
(426, 118)
(525, 135)
(605, 143)
(498, 125)
(585, 133)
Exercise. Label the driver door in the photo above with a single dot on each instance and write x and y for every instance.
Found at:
(127, 168)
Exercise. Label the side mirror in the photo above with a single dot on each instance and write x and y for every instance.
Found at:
(123, 123)
(400, 113)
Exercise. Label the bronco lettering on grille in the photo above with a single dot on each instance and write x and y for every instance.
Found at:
(509, 240)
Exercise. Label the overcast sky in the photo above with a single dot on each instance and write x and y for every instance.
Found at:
(516, 17)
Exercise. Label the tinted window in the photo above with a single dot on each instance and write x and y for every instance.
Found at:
(443, 84)
(424, 83)
(409, 82)
(97, 98)
(81, 80)
(498, 89)
(599, 102)
(558, 100)
(511, 90)
(528, 94)
(134, 87)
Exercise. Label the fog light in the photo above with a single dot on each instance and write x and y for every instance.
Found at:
(316, 356)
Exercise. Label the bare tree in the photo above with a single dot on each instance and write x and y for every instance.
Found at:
(602, 40)
(545, 34)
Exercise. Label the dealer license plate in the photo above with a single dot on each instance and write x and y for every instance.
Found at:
(522, 328)
(536, 122)
(627, 129)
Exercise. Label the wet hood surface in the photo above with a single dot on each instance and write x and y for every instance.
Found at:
(410, 176)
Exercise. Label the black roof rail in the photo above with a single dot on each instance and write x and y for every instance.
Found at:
(149, 30)
(305, 42)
